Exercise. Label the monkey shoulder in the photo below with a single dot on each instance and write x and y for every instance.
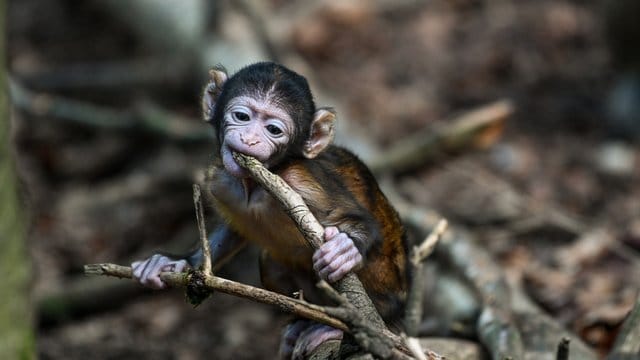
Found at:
(335, 173)
(338, 163)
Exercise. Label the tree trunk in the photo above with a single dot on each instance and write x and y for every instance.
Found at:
(16, 332)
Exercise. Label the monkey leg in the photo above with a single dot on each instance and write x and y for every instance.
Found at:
(301, 336)
(275, 276)
(278, 278)
(290, 336)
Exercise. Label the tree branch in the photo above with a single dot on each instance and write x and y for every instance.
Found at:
(356, 315)
(311, 229)
(214, 283)
(477, 128)
(496, 327)
(145, 117)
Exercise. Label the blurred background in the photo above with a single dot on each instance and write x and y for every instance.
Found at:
(106, 121)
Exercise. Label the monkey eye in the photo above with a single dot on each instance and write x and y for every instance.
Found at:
(240, 116)
(274, 130)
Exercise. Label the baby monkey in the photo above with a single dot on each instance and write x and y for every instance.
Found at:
(267, 111)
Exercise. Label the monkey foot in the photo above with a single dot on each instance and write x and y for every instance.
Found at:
(312, 337)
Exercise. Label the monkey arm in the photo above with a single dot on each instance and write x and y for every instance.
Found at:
(351, 219)
(364, 231)
(224, 244)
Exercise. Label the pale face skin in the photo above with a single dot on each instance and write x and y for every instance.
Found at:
(253, 127)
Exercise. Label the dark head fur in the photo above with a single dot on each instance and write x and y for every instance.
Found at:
(277, 84)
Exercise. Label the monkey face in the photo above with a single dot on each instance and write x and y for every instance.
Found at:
(257, 127)
(266, 111)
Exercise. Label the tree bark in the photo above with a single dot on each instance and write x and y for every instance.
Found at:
(16, 332)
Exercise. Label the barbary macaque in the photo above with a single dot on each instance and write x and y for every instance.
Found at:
(267, 111)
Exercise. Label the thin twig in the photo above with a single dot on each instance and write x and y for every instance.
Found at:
(425, 249)
(204, 241)
(413, 311)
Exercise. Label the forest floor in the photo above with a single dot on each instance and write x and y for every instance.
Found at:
(104, 195)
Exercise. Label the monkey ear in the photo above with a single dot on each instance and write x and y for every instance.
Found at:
(322, 131)
(217, 77)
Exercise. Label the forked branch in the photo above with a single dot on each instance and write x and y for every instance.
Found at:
(356, 313)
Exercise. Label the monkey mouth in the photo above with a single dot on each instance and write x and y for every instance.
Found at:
(231, 165)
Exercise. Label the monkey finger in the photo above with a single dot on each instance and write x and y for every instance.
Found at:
(336, 242)
(326, 260)
(339, 262)
(136, 269)
(150, 266)
(150, 274)
(343, 270)
(326, 270)
(322, 261)
(329, 251)
(180, 266)
(154, 282)
(171, 267)
(144, 267)
(330, 232)
(323, 273)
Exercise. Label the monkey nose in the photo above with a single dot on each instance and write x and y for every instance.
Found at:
(249, 141)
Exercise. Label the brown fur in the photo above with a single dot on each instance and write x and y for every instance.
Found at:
(340, 191)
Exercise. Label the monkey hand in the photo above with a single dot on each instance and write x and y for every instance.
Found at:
(337, 256)
(147, 272)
